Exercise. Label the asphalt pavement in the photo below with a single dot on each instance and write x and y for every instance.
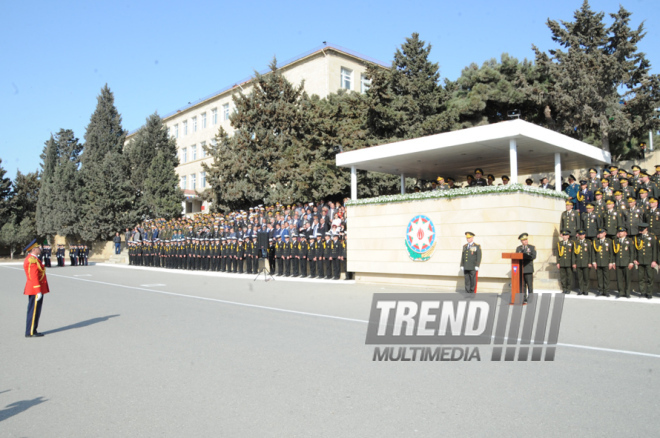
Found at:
(155, 353)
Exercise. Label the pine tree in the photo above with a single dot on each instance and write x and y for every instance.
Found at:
(68, 192)
(407, 100)
(486, 94)
(150, 141)
(5, 195)
(20, 228)
(45, 218)
(108, 195)
(162, 194)
(586, 75)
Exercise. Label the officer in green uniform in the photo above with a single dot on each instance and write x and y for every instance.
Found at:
(593, 183)
(626, 190)
(591, 222)
(612, 219)
(470, 262)
(624, 256)
(646, 260)
(599, 203)
(603, 262)
(653, 217)
(570, 219)
(565, 261)
(582, 259)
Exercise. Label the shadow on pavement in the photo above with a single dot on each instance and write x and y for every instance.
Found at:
(80, 324)
(19, 406)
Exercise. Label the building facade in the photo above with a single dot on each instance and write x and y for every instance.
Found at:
(325, 70)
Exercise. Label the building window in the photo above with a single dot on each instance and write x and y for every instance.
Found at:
(225, 111)
(346, 78)
(193, 152)
(185, 127)
(168, 132)
(202, 150)
(193, 181)
(202, 179)
(184, 155)
(194, 124)
(183, 182)
(364, 83)
(176, 131)
(203, 120)
(214, 116)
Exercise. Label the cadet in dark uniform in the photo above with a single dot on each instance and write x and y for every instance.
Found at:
(304, 251)
(624, 256)
(286, 255)
(295, 255)
(582, 260)
(320, 248)
(565, 261)
(470, 262)
(327, 256)
(335, 253)
(279, 250)
(603, 262)
(646, 260)
(529, 254)
(311, 256)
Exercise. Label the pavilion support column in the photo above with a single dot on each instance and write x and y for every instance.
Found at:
(353, 183)
(557, 172)
(513, 160)
(403, 184)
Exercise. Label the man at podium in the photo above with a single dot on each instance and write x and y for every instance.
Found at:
(529, 254)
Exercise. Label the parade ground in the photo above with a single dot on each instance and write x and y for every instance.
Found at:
(155, 353)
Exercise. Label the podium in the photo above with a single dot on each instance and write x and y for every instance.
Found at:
(516, 273)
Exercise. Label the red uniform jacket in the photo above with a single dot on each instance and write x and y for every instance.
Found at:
(36, 276)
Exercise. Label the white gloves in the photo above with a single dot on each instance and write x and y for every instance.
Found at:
(476, 268)
(462, 268)
(39, 295)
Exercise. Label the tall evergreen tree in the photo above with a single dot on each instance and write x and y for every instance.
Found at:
(407, 101)
(68, 196)
(45, 218)
(600, 87)
(263, 161)
(108, 195)
(486, 94)
(5, 192)
(20, 228)
(149, 142)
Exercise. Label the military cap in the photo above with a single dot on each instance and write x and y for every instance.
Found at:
(303, 236)
(617, 193)
(609, 201)
(491, 176)
(478, 170)
(581, 231)
(652, 200)
(602, 230)
(286, 236)
(630, 175)
(440, 179)
(279, 236)
(240, 239)
(623, 179)
(631, 199)
(469, 234)
(571, 178)
(636, 167)
(642, 225)
(643, 173)
(505, 178)
(618, 229)
(643, 190)
(529, 180)
(598, 192)
(606, 172)
(31, 246)
(605, 180)
(592, 170)
(583, 182)
(657, 167)
(523, 236)
(565, 233)
(568, 202)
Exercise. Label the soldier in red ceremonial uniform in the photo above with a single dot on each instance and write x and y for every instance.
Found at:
(36, 287)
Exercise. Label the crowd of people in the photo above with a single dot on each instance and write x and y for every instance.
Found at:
(300, 240)
(611, 223)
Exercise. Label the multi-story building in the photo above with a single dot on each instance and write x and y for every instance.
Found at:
(325, 70)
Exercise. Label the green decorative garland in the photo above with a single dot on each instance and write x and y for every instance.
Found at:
(456, 193)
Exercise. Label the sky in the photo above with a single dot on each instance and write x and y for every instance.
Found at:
(159, 55)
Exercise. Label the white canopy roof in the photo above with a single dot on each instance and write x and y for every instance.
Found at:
(488, 147)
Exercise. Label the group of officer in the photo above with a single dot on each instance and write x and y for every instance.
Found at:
(289, 255)
(78, 255)
(611, 223)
